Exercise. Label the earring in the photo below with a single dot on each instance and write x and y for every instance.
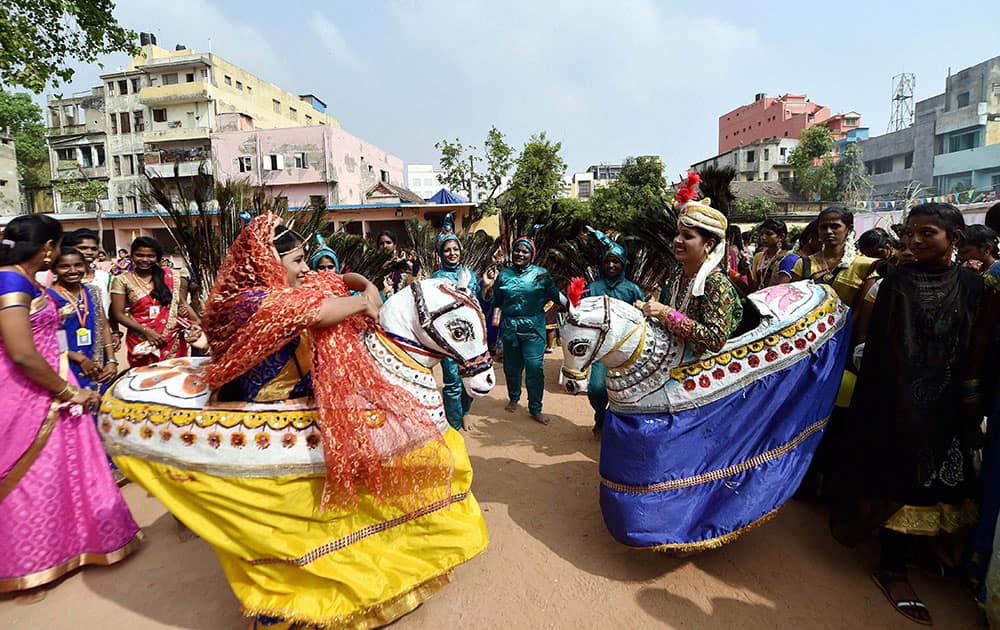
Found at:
(48, 257)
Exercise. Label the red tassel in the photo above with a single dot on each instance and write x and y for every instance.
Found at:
(577, 287)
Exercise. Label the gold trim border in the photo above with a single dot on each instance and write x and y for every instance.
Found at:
(722, 473)
(712, 543)
(45, 576)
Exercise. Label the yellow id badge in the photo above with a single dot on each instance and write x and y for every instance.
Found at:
(83, 337)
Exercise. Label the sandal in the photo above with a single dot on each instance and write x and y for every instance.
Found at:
(539, 417)
(909, 608)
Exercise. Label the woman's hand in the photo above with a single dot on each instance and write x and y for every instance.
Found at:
(489, 278)
(654, 309)
(89, 368)
(116, 340)
(371, 308)
(108, 373)
(371, 294)
(154, 337)
(86, 398)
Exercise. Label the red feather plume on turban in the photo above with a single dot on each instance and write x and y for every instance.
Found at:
(687, 191)
(577, 287)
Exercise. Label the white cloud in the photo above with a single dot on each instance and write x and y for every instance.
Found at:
(341, 54)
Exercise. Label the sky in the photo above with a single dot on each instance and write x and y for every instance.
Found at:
(607, 79)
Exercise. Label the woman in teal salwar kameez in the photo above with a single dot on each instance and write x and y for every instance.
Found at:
(520, 292)
(456, 400)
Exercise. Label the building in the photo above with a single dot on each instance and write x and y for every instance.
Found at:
(953, 144)
(783, 117)
(761, 161)
(77, 140)
(307, 165)
(10, 190)
(424, 179)
(161, 111)
(582, 185)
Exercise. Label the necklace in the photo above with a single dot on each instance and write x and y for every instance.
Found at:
(685, 298)
(78, 302)
(143, 284)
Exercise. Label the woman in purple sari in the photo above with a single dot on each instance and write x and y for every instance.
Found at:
(59, 505)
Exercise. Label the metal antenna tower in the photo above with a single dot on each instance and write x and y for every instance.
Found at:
(902, 101)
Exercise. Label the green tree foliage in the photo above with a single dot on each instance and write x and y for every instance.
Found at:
(40, 39)
(753, 208)
(461, 173)
(853, 184)
(641, 186)
(538, 175)
(86, 191)
(814, 169)
(21, 118)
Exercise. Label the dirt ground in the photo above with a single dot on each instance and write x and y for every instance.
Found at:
(550, 564)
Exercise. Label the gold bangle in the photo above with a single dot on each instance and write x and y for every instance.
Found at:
(67, 392)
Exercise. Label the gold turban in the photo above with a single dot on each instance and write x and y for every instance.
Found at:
(700, 214)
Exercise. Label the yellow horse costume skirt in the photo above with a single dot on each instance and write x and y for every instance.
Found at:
(361, 567)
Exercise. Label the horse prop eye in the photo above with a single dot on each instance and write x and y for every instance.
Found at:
(579, 347)
(460, 330)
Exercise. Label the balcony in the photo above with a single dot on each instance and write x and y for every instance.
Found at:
(182, 162)
(73, 130)
(977, 159)
(177, 93)
(168, 134)
(68, 169)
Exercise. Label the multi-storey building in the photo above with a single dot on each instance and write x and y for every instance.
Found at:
(424, 179)
(782, 117)
(760, 161)
(77, 142)
(953, 143)
(10, 192)
(582, 185)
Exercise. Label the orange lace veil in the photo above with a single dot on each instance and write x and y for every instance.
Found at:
(252, 312)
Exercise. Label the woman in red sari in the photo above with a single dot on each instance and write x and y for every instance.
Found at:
(152, 303)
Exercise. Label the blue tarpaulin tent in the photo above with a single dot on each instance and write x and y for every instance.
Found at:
(445, 196)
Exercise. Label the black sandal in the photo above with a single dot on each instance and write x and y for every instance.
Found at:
(884, 580)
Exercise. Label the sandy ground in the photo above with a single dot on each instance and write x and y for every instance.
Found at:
(550, 564)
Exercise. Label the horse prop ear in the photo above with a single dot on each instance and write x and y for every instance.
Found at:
(464, 279)
(577, 287)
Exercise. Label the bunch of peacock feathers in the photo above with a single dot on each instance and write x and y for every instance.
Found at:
(477, 247)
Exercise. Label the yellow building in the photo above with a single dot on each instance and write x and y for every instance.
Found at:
(161, 111)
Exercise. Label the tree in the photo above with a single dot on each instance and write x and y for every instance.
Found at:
(753, 208)
(86, 191)
(640, 186)
(814, 173)
(459, 165)
(853, 184)
(21, 118)
(537, 179)
(39, 39)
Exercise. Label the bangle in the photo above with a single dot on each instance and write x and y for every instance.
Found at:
(67, 392)
(112, 362)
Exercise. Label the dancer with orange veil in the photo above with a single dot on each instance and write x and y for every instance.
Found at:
(381, 528)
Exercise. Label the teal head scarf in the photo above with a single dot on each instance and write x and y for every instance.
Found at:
(321, 251)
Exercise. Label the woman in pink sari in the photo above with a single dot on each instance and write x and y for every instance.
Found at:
(59, 506)
(158, 316)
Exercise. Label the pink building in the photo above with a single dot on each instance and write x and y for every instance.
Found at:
(304, 164)
(783, 117)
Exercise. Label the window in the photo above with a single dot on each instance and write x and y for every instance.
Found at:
(782, 151)
(189, 77)
(996, 93)
(126, 122)
(139, 123)
(963, 142)
(784, 176)
(117, 161)
(384, 176)
(239, 86)
(995, 182)
(293, 113)
(204, 73)
(317, 201)
(66, 155)
(111, 88)
(309, 119)
(274, 162)
(767, 154)
(133, 205)
(135, 85)
(86, 159)
(99, 149)
(120, 204)
(583, 189)
(128, 165)
(159, 115)
(301, 160)
(276, 106)
(244, 164)
(228, 79)
(908, 160)
(140, 164)
(123, 87)
(114, 125)
(765, 176)
(751, 156)
(962, 100)
(750, 177)
(850, 122)
(170, 79)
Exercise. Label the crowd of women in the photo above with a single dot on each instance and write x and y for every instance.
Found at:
(905, 456)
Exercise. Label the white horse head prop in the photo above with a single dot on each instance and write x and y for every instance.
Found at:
(433, 319)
